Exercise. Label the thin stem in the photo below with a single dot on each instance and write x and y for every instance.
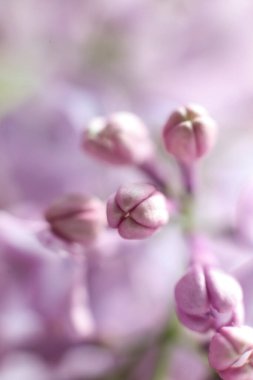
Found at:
(188, 178)
(198, 245)
(214, 376)
(161, 365)
(152, 170)
(168, 335)
(187, 201)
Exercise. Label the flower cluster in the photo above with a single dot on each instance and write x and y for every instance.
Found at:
(99, 311)
(207, 298)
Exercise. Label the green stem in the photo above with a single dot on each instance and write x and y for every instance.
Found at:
(214, 376)
(169, 335)
(161, 365)
(152, 170)
(188, 173)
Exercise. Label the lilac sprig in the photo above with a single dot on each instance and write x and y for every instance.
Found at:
(76, 218)
(207, 299)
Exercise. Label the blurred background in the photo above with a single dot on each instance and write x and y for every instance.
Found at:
(63, 62)
(143, 55)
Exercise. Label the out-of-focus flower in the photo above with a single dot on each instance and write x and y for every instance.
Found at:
(47, 129)
(42, 130)
(99, 40)
(225, 181)
(122, 138)
(54, 301)
(30, 305)
(77, 218)
(231, 353)
(189, 133)
(45, 306)
(25, 366)
(207, 298)
(137, 211)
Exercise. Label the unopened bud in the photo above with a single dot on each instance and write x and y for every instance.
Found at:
(76, 218)
(207, 298)
(189, 133)
(119, 139)
(137, 211)
(231, 353)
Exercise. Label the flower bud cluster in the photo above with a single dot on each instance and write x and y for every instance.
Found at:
(207, 299)
(122, 138)
(138, 210)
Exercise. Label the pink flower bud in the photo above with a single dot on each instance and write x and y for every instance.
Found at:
(76, 218)
(137, 210)
(207, 298)
(231, 353)
(189, 133)
(119, 139)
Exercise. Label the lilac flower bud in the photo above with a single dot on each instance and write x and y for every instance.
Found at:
(76, 218)
(189, 133)
(231, 353)
(137, 210)
(207, 298)
(119, 139)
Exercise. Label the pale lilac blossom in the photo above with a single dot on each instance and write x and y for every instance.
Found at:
(71, 311)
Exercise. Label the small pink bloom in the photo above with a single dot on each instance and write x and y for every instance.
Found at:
(207, 298)
(231, 353)
(189, 133)
(137, 211)
(119, 139)
(76, 218)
